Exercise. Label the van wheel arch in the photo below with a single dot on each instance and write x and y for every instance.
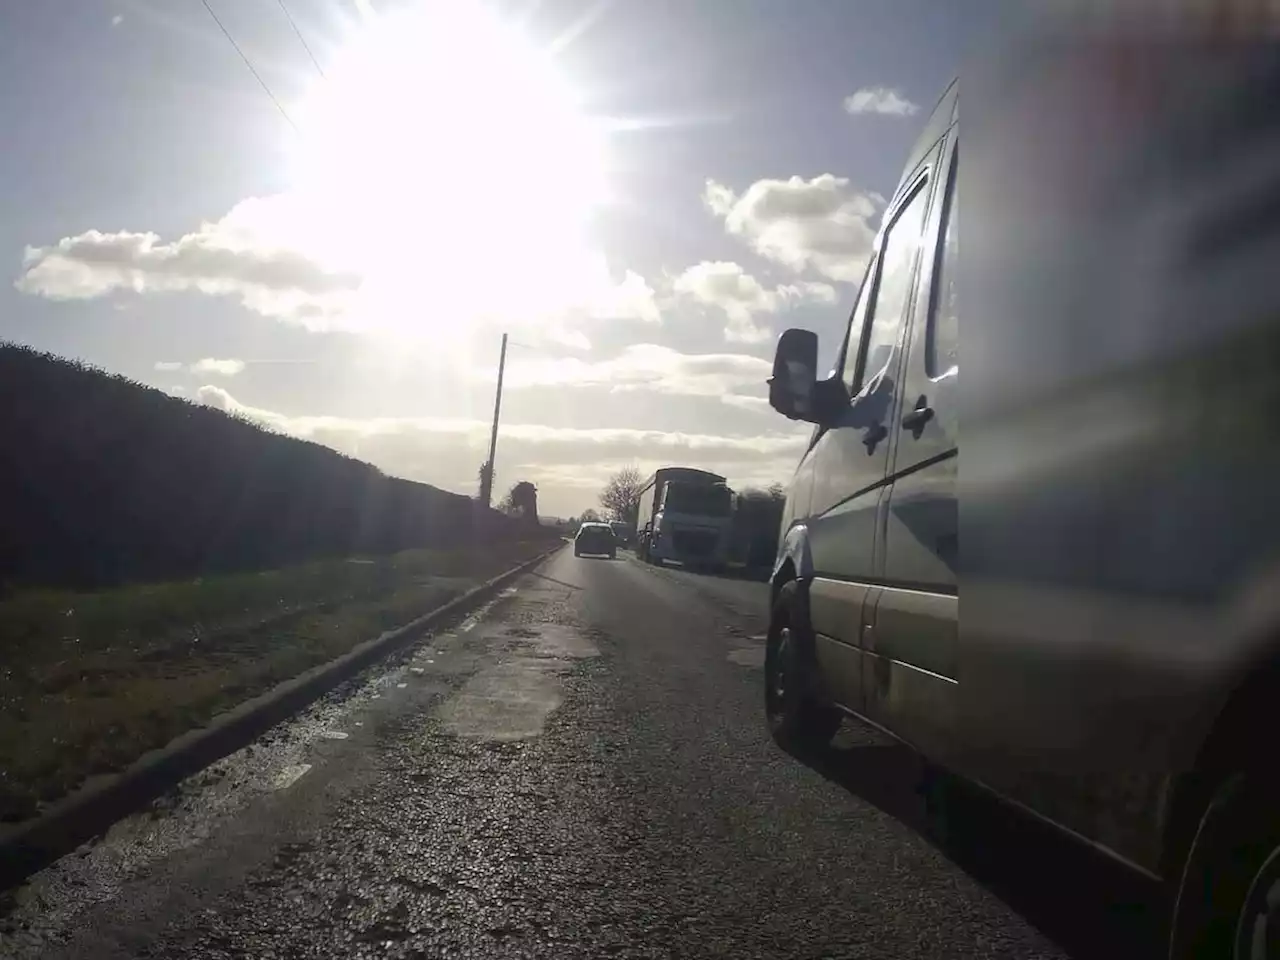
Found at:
(786, 573)
(1230, 750)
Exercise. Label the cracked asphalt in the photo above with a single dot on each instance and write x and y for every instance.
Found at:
(581, 769)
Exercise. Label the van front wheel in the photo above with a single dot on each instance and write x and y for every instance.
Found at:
(1228, 904)
(796, 715)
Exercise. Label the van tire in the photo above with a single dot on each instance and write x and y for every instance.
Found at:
(1234, 859)
(794, 709)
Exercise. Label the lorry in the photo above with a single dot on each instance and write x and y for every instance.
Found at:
(685, 515)
(757, 522)
(623, 532)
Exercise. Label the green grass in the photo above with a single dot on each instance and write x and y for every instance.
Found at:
(91, 681)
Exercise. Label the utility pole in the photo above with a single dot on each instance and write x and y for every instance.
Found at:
(486, 493)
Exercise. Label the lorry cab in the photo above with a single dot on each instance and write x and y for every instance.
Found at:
(685, 516)
(1119, 658)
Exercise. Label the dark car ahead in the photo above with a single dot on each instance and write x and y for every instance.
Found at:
(595, 539)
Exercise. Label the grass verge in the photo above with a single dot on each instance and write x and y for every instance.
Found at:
(91, 681)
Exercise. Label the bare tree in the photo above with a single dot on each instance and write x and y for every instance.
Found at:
(588, 516)
(775, 491)
(621, 495)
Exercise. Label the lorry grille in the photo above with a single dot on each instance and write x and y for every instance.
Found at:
(695, 543)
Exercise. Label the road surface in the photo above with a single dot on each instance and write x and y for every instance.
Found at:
(580, 770)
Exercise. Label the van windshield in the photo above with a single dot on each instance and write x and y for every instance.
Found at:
(700, 499)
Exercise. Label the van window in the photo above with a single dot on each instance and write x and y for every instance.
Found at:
(892, 293)
(853, 339)
(942, 343)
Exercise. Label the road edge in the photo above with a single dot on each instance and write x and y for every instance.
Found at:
(84, 814)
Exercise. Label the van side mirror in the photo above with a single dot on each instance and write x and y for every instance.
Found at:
(795, 371)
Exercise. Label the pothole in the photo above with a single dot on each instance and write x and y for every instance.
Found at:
(510, 701)
(748, 657)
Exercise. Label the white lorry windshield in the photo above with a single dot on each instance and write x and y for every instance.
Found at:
(698, 499)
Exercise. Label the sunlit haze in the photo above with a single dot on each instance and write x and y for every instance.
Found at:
(329, 229)
(416, 104)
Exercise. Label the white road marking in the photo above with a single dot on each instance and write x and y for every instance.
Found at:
(289, 776)
(334, 735)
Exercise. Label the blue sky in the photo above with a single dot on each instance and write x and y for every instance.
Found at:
(643, 193)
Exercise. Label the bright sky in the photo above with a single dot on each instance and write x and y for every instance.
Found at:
(643, 193)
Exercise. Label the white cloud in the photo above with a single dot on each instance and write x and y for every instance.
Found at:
(820, 224)
(212, 260)
(759, 404)
(743, 298)
(633, 298)
(117, 20)
(569, 465)
(881, 100)
(645, 366)
(224, 368)
(318, 263)
(207, 366)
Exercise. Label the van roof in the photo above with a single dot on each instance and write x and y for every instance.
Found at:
(944, 113)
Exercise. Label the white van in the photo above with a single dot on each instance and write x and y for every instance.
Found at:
(1117, 671)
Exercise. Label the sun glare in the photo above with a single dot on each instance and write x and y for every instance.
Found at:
(446, 159)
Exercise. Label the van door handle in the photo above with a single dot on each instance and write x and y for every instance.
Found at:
(875, 433)
(917, 418)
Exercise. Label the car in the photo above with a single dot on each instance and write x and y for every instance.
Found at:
(1118, 670)
(595, 539)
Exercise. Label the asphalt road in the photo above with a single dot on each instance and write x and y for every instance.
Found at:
(581, 770)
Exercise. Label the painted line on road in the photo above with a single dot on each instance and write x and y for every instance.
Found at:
(289, 776)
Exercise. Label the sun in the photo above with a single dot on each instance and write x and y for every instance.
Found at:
(451, 163)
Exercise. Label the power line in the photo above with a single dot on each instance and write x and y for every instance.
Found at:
(249, 63)
(302, 39)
